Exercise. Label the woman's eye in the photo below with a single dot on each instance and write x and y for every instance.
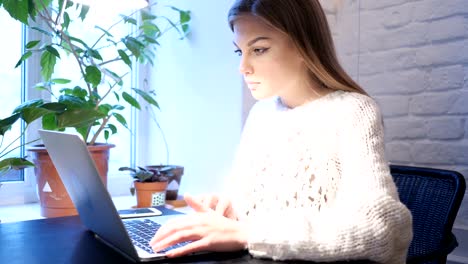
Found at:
(260, 51)
(238, 52)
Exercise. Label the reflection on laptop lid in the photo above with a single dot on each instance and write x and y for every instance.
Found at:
(78, 172)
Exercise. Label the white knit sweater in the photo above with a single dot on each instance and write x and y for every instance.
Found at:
(312, 183)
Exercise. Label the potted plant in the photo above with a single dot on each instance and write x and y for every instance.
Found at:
(174, 175)
(93, 105)
(150, 185)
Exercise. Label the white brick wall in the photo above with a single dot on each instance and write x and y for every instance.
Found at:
(412, 57)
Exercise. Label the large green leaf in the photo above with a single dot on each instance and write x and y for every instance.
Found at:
(66, 20)
(112, 128)
(54, 107)
(38, 6)
(184, 16)
(5, 124)
(84, 12)
(186, 29)
(148, 98)
(121, 119)
(150, 29)
(18, 9)
(25, 56)
(52, 50)
(33, 43)
(118, 107)
(33, 113)
(14, 164)
(133, 45)
(131, 100)
(147, 15)
(60, 81)
(94, 53)
(105, 108)
(83, 131)
(125, 58)
(93, 75)
(27, 104)
(80, 92)
(49, 121)
(78, 118)
(72, 102)
(48, 61)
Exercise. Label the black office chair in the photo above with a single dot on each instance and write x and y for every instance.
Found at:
(433, 196)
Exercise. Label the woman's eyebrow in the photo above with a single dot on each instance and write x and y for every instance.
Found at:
(253, 41)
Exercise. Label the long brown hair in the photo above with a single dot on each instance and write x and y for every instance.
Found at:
(305, 22)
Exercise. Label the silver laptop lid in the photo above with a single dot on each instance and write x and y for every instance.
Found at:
(78, 172)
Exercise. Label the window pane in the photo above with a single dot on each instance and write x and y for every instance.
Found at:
(11, 83)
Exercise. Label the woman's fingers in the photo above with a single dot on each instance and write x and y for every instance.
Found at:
(208, 200)
(206, 231)
(196, 204)
(178, 237)
(192, 247)
(172, 226)
(223, 207)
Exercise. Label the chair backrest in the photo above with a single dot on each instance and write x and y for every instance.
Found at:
(433, 196)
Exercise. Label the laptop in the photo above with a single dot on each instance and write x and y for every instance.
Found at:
(97, 212)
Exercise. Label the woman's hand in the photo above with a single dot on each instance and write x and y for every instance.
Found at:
(220, 205)
(208, 231)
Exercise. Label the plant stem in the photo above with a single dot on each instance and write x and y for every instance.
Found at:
(3, 153)
(109, 90)
(61, 13)
(153, 117)
(109, 61)
(113, 25)
(19, 147)
(101, 127)
(11, 143)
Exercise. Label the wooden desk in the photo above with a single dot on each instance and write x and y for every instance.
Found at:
(66, 240)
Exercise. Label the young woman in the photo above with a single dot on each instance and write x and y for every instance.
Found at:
(310, 179)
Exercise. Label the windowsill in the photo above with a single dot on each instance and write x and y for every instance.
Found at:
(31, 211)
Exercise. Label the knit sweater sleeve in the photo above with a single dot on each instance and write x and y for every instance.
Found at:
(366, 219)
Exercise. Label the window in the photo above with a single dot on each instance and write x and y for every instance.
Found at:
(17, 188)
(12, 85)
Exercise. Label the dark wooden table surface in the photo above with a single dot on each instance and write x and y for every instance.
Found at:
(66, 240)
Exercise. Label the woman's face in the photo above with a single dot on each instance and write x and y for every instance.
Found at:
(270, 63)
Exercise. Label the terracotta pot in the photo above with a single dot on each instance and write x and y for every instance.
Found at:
(174, 176)
(150, 193)
(53, 196)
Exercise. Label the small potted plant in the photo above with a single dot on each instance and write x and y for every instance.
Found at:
(174, 175)
(150, 185)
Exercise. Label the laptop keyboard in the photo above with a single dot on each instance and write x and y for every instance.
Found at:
(141, 231)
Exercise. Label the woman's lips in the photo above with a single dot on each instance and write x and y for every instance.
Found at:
(253, 85)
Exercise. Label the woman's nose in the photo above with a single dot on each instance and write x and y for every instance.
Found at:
(245, 66)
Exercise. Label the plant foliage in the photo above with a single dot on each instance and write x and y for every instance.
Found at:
(85, 105)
